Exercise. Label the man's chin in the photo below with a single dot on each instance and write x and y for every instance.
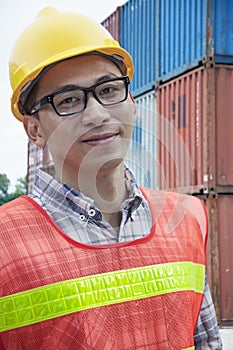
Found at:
(110, 165)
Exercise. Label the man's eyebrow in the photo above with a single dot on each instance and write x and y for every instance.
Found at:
(106, 77)
(69, 87)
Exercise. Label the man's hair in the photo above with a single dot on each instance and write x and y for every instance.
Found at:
(26, 104)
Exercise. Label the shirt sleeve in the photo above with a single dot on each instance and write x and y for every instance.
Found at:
(207, 335)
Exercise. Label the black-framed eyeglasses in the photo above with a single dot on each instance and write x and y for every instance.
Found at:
(69, 101)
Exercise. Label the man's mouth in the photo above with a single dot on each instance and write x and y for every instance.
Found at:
(96, 140)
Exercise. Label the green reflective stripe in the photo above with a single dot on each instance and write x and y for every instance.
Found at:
(192, 348)
(62, 298)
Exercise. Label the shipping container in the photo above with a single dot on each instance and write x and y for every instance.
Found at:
(191, 32)
(142, 155)
(195, 130)
(225, 224)
(138, 36)
(182, 36)
(112, 24)
(224, 128)
(168, 37)
(219, 254)
(220, 38)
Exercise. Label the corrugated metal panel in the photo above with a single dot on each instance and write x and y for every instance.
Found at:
(138, 36)
(219, 259)
(182, 36)
(219, 254)
(191, 32)
(180, 131)
(223, 34)
(191, 109)
(225, 224)
(224, 125)
(213, 251)
(112, 24)
(168, 37)
(141, 156)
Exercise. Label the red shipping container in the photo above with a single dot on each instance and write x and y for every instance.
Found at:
(225, 224)
(112, 24)
(224, 127)
(219, 254)
(195, 128)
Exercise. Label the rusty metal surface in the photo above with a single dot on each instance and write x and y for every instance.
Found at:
(225, 224)
(212, 250)
(195, 125)
(213, 253)
(224, 125)
(181, 124)
(219, 259)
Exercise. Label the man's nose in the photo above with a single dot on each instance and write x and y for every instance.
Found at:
(95, 112)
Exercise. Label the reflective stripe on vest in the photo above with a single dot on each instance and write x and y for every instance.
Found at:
(66, 297)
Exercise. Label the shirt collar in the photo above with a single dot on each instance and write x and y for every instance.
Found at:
(48, 188)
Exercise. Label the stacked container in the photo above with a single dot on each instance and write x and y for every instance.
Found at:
(195, 125)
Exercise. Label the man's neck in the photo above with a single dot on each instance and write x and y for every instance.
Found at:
(107, 188)
(113, 192)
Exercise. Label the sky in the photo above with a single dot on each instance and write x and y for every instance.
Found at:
(15, 16)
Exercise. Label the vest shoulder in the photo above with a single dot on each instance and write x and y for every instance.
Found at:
(20, 205)
(179, 206)
(183, 199)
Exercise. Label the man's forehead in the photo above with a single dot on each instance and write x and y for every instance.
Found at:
(115, 61)
(93, 58)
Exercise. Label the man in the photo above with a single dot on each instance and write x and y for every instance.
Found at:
(90, 260)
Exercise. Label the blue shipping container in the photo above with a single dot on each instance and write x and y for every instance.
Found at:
(168, 37)
(142, 155)
(223, 30)
(182, 36)
(137, 35)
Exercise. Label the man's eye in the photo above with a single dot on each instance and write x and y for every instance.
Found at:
(69, 100)
(107, 90)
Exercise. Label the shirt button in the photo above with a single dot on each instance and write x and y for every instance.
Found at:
(91, 212)
(82, 217)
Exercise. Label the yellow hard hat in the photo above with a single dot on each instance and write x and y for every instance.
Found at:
(55, 36)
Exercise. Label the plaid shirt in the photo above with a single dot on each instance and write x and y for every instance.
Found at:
(80, 219)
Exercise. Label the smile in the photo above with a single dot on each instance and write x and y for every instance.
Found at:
(97, 140)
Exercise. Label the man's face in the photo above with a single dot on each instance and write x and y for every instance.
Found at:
(94, 139)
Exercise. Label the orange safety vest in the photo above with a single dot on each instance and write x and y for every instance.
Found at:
(60, 294)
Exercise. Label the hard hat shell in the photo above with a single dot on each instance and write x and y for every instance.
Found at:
(55, 36)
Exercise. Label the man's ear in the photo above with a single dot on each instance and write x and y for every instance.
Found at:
(134, 104)
(33, 130)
